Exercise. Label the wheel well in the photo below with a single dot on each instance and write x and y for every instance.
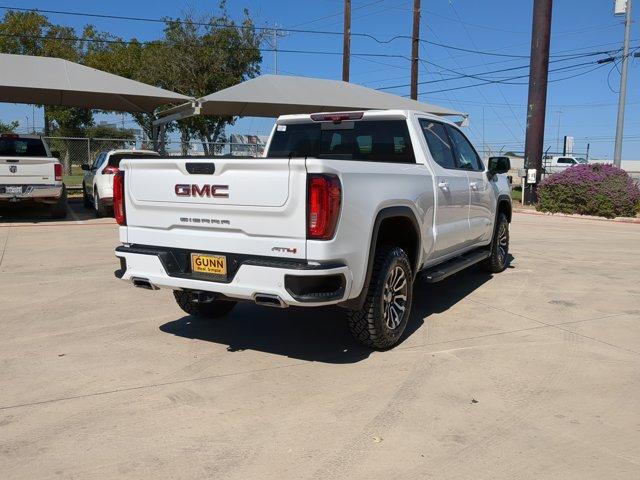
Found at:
(504, 206)
(401, 232)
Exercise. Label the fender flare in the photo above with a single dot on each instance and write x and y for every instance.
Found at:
(384, 214)
(503, 197)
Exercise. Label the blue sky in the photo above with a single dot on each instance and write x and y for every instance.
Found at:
(584, 106)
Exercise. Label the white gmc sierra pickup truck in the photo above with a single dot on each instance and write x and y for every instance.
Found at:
(29, 174)
(345, 208)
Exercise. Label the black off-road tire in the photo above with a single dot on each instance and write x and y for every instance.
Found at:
(499, 258)
(86, 200)
(368, 325)
(100, 209)
(215, 309)
(59, 209)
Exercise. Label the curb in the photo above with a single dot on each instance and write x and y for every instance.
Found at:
(583, 217)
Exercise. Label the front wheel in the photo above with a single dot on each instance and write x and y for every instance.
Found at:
(498, 260)
(214, 309)
(86, 199)
(382, 319)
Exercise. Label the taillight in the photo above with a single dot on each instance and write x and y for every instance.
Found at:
(118, 198)
(110, 170)
(324, 195)
(57, 171)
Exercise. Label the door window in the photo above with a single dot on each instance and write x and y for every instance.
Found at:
(438, 142)
(466, 156)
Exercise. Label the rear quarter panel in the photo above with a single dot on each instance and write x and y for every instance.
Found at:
(368, 188)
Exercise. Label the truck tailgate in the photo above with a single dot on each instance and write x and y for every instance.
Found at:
(251, 206)
(27, 170)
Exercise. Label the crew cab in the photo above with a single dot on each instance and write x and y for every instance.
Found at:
(97, 178)
(29, 174)
(345, 208)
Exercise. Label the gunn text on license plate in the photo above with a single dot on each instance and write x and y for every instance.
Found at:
(213, 264)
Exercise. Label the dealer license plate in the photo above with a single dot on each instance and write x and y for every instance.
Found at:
(211, 264)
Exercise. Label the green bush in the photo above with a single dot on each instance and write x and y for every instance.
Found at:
(590, 189)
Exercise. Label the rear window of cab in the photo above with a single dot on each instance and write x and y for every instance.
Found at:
(364, 140)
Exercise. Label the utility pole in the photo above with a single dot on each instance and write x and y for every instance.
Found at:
(622, 100)
(273, 43)
(415, 44)
(346, 45)
(537, 100)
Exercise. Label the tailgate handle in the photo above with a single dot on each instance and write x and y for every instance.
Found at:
(12, 160)
(201, 168)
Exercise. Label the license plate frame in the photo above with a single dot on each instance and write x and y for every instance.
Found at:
(13, 190)
(209, 266)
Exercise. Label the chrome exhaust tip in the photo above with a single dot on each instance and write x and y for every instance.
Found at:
(143, 283)
(269, 300)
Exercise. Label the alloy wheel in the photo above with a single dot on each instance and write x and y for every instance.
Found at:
(394, 297)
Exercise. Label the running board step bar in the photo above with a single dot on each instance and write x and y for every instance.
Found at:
(444, 270)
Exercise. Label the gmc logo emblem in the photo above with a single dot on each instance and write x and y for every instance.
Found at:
(193, 190)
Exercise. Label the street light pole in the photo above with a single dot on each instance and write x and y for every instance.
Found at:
(559, 112)
(617, 153)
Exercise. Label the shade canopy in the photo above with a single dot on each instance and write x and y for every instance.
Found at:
(54, 81)
(274, 95)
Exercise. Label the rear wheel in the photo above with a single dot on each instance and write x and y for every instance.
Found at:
(100, 209)
(498, 260)
(385, 313)
(59, 209)
(214, 309)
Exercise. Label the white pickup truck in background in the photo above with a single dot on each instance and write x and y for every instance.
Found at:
(346, 208)
(29, 174)
(561, 162)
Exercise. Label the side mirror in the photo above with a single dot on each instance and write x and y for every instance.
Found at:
(85, 166)
(499, 165)
(55, 154)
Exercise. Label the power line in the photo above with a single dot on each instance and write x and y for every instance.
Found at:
(519, 77)
(478, 76)
(141, 42)
(253, 27)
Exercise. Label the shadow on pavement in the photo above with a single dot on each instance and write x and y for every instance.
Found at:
(17, 213)
(318, 334)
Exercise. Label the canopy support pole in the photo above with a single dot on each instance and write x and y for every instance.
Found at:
(167, 116)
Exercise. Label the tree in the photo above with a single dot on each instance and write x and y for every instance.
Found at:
(110, 131)
(9, 127)
(209, 54)
(197, 56)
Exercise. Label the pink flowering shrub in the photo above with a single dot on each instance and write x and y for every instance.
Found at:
(590, 189)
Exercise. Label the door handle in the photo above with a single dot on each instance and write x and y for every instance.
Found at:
(443, 185)
(473, 185)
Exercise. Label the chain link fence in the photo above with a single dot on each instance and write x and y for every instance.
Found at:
(76, 151)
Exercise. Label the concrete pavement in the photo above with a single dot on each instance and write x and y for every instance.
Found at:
(529, 374)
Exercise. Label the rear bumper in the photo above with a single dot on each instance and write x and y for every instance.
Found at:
(39, 193)
(295, 283)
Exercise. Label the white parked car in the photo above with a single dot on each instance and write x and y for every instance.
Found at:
(559, 163)
(97, 184)
(346, 208)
